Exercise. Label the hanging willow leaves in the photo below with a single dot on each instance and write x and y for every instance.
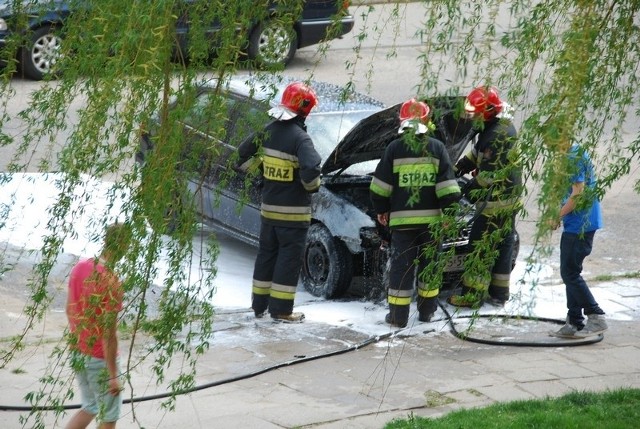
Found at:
(569, 68)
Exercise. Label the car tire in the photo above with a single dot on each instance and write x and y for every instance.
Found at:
(327, 264)
(271, 43)
(43, 52)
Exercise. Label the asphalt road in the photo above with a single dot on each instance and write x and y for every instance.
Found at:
(387, 68)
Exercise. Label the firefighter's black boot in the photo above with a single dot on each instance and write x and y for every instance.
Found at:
(498, 295)
(259, 305)
(426, 308)
(398, 315)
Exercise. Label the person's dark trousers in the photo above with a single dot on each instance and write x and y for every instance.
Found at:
(574, 248)
(495, 232)
(277, 268)
(501, 273)
(406, 248)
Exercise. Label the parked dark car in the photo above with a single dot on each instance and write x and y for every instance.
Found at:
(270, 37)
(345, 245)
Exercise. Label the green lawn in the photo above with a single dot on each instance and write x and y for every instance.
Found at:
(617, 409)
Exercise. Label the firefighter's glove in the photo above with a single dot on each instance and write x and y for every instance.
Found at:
(462, 167)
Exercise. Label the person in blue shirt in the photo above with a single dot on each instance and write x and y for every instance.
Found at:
(581, 218)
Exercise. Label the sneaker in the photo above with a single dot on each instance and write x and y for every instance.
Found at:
(572, 332)
(288, 318)
(567, 331)
(595, 324)
(393, 322)
(426, 317)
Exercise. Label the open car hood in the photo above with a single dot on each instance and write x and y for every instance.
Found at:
(370, 137)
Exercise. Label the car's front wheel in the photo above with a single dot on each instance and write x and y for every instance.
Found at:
(272, 43)
(327, 264)
(42, 54)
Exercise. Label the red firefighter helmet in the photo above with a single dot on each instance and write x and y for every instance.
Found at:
(414, 109)
(483, 101)
(299, 99)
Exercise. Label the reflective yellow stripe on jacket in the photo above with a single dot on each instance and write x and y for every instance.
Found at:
(381, 188)
(279, 166)
(413, 217)
(490, 208)
(287, 213)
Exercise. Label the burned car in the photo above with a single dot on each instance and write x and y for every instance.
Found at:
(346, 247)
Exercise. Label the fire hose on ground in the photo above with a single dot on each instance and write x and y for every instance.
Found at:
(354, 347)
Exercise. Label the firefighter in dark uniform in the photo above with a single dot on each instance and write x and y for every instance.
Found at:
(495, 189)
(291, 171)
(412, 185)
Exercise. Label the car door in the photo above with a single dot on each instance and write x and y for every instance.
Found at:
(226, 197)
(197, 22)
(246, 118)
(203, 132)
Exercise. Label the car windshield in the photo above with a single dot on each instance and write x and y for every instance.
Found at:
(327, 129)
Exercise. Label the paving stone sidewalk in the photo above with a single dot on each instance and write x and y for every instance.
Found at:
(320, 376)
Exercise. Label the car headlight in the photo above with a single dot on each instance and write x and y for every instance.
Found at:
(3, 25)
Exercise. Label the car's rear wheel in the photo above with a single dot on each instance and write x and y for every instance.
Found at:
(272, 43)
(42, 55)
(327, 264)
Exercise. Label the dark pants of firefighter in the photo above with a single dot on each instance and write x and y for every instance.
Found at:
(277, 267)
(489, 234)
(407, 247)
